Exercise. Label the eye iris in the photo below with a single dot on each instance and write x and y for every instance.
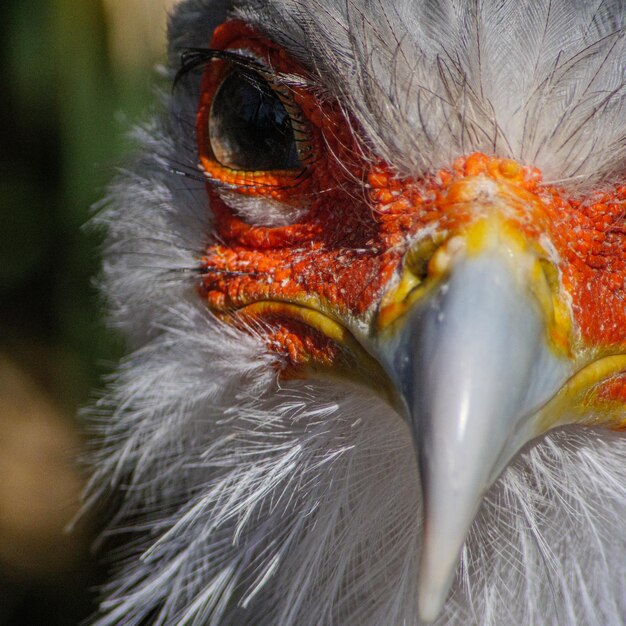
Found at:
(249, 128)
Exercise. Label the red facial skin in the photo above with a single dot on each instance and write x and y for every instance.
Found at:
(361, 219)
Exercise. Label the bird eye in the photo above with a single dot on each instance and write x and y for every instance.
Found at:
(250, 128)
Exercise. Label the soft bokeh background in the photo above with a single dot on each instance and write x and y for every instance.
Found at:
(75, 75)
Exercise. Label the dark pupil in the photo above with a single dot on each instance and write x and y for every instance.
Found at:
(249, 128)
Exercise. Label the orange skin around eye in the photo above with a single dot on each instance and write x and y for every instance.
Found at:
(361, 219)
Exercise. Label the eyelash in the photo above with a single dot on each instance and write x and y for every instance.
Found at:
(193, 58)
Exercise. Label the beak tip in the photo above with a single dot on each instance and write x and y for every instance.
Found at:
(435, 580)
(430, 602)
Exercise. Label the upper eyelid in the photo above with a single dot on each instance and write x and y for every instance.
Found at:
(192, 58)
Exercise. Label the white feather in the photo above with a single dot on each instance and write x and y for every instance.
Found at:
(262, 211)
(542, 82)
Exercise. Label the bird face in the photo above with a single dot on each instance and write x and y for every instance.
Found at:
(380, 373)
(484, 304)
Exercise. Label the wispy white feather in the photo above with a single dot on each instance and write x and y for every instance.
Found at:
(542, 82)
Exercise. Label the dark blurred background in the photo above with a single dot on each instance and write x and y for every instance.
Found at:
(75, 75)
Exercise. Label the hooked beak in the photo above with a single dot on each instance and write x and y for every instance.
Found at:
(472, 362)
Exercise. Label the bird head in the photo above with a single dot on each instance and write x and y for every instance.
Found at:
(473, 298)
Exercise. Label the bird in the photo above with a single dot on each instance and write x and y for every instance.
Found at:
(369, 262)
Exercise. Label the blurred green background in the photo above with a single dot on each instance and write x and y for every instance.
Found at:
(75, 75)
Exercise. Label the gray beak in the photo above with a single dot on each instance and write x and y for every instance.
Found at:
(472, 364)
